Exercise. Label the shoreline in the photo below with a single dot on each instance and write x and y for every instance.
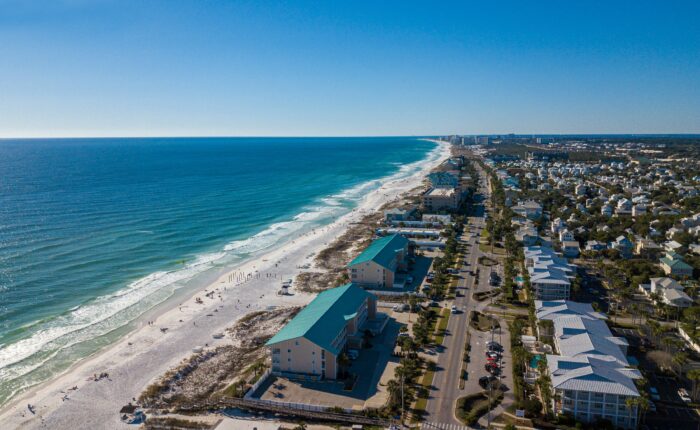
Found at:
(146, 351)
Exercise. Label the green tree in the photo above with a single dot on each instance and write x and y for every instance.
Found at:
(694, 376)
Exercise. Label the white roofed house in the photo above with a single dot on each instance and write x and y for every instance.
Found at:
(557, 225)
(595, 246)
(591, 378)
(669, 292)
(639, 210)
(570, 248)
(565, 235)
(550, 273)
(624, 207)
(529, 209)
(527, 235)
(550, 283)
(644, 246)
(592, 389)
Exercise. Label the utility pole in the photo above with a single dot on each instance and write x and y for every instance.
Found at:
(401, 400)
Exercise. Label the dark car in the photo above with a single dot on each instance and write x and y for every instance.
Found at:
(494, 347)
(485, 381)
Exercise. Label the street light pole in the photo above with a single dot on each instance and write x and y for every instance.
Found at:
(402, 408)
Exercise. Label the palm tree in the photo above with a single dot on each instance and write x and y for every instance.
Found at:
(694, 376)
(643, 406)
(343, 362)
(667, 342)
(631, 403)
(257, 367)
(393, 387)
(680, 360)
(656, 329)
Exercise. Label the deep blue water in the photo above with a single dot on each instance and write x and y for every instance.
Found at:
(94, 232)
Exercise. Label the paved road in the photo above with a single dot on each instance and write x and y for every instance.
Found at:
(446, 391)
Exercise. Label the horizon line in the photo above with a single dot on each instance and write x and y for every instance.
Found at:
(620, 134)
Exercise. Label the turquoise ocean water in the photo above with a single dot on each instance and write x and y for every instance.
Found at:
(95, 232)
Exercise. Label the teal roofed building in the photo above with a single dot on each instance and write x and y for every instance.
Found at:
(443, 180)
(673, 264)
(309, 345)
(378, 265)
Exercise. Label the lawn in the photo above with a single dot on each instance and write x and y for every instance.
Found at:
(442, 326)
(470, 408)
(426, 383)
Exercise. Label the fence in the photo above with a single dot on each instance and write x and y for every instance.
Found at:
(249, 394)
(688, 339)
(301, 406)
(289, 409)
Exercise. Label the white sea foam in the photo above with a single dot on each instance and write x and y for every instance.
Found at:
(109, 312)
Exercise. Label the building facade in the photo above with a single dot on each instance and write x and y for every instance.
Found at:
(378, 264)
(310, 344)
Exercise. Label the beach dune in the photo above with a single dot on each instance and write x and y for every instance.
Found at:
(168, 334)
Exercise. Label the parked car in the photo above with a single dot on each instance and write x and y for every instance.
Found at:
(683, 394)
(401, 307)
(494, 346)
(353, 354)
(652, 407)
(494, 370)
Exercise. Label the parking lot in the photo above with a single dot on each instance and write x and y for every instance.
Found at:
(672, 417)
(477, 359)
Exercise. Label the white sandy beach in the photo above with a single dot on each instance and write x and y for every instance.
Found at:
(145, 354)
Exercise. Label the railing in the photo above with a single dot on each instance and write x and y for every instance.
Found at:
(289, 409)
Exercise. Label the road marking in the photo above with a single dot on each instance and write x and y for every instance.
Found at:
(443, 426)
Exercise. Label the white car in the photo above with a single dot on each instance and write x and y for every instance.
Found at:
(454, 309)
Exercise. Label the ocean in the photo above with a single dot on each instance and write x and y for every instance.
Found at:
(96, 232)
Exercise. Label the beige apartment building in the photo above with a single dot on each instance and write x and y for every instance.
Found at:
(378, 264)
(310, 344)
(436, 199)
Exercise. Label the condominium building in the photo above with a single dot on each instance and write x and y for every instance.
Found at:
(550, 274)
(310, 344)
(378, 264)
(591, 377)
(436, 199)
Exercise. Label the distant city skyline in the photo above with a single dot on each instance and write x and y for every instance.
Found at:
(188, 68)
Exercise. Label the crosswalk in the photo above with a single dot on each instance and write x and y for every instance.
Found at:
(443, 426)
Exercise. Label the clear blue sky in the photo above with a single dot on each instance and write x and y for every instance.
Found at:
(168, 68)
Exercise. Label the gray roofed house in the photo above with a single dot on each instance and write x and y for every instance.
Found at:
(591, 377)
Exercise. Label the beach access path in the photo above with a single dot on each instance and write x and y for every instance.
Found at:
(145, 354)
